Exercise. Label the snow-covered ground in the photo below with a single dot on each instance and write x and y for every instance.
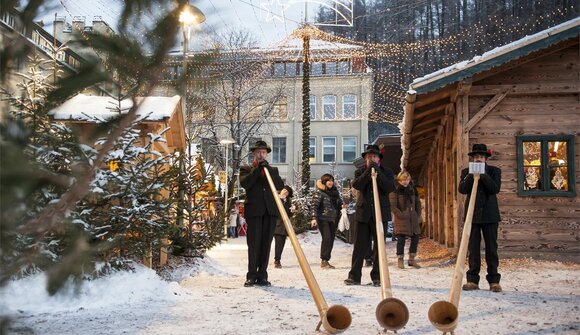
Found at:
(209, 298)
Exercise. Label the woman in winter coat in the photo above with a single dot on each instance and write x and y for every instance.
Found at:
(326, 206)
(280, 232)
(406, 207)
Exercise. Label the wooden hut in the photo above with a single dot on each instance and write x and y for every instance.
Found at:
(522, 100)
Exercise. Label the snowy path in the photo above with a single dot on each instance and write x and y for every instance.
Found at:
(209, 298)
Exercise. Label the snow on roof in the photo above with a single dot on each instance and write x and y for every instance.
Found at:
(458, 67)
(87, 108)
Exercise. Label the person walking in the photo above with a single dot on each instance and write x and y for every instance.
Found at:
(280, 233)
(406, 207)
(260, 213)
(326, 206)
(365, 211)
(485, 221)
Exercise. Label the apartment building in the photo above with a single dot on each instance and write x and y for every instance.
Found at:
(340, 102)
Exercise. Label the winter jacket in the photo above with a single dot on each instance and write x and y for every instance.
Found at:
(280, 229)
(365, 208)
(486, 208)
(259, 199)
(406, 207)
(326, 203)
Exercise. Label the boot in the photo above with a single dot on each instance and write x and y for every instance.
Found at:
(277, 264)
(400, 262)
(326, 265)
(413, 262)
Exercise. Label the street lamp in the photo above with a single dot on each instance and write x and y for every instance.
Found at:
(190, 15)
(226, 142)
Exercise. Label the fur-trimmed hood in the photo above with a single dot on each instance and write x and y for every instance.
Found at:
(320, 185)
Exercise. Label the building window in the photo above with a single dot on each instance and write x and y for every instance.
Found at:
(330, 68)
(279, 69)
(290, 69)
(343, 67)
(280, 110)
(312, 107)
(349, 106)
(348, 149)
(546, 165)
(312, 150)
(328, 149)
(316, 69)
(329, 107)
(251, 144)
(279, 150)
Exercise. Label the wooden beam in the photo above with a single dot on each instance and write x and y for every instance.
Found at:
(426, 112)
(489, 106)
(434, 96)
(527, 89)
(426, 130)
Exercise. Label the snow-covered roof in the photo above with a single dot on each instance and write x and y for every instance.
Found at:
(87, 108)
(497, 56)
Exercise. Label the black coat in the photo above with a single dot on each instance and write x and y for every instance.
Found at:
(259, 199)
(486, 208)
(362, 182)
(326, 204)
(280, 228)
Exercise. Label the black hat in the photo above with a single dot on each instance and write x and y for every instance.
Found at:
(480, 149)
(372, 149)
(261, 145)
(290, 191)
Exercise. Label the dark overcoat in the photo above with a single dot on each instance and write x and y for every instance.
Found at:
(362, 182)
(259, 198)
(486, 208)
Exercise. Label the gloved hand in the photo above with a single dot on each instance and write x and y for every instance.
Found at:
(264, 164)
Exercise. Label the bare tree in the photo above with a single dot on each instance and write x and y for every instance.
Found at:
(237, 99)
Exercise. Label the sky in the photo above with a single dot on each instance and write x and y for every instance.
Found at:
(269, 21)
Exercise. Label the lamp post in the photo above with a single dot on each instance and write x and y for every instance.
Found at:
(226, 142)
(190, 15)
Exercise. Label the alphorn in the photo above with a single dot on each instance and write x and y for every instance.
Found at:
(335, 319)
(391, 313)
(444, 314)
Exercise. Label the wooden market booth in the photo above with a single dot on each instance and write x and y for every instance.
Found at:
(522, 100)
(84, 112)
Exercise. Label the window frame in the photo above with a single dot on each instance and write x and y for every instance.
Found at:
(325, 146)
(355, 146)
(545, 167)
(310, 103)
(312, 158)
(350, 103)
(325, 104)
(275, 148)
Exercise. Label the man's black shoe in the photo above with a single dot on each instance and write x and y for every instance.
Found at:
(263, 282)
(376, 283)
(249, 282)
(350, 282)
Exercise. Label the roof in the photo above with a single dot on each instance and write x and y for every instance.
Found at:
(430, 97)
(497, 57)
(88, 108)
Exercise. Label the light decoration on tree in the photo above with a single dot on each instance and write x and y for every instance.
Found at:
(390, 83)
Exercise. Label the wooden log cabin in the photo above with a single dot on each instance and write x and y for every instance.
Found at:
(522, 100)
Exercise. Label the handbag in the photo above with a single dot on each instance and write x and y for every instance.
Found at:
(343, 223)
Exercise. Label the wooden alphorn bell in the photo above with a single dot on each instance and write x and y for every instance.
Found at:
(391, 313)
(335, 319)
(444, 314)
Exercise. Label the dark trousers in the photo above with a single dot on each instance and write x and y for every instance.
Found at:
(401, 244)
(279, 241)
(259, 239)
(328, 232)
(365, 231)
(489, 232)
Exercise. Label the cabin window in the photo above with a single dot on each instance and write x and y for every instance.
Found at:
(546, 165)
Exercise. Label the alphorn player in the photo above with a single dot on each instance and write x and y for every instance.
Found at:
(365, 212)
(260, 213)
(485, 220)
